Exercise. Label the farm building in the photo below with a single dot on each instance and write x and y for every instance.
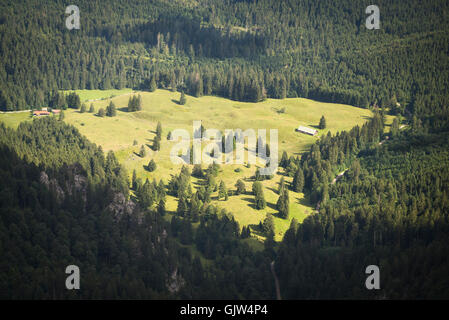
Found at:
(306, 130)
(41, 113)
(55, 111)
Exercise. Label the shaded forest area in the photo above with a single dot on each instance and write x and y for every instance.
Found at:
(242, 50)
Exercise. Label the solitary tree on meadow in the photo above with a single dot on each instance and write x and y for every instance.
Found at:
(142, 152)
(183, 99)
(241, 188)
(322, 124)
(151, 165)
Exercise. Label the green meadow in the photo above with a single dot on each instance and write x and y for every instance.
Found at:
(119, 133)
(87, 95)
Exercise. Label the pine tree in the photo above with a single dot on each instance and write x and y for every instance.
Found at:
(161, 207)
(284, 160)
(268, 224)
(182, 100)
(153, 85)
(283, 204)
(83, 108)
(322, 124)
(101, 112)
(139, 103)
(111, 110)
(151, 165)
(281, 185)
(182, 207)
(298, 181)
(142, 151)
(172, 82)
(156, 144)
(199, 86)
(61, 115)
(197, 171)
(222, 192)
(91, 109)
(241, 188)
(394, 129)
(159, 130)
(260, 202)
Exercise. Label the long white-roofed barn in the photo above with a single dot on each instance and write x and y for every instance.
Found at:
(307, 130)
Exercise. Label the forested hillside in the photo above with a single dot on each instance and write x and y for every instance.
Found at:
(55, 212)
(64, 201)
(244, 50)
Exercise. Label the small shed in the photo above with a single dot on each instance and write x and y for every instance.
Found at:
(307, 130)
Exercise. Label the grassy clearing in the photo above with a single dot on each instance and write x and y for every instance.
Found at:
(118, 134)
(13, 119)
(86, 95)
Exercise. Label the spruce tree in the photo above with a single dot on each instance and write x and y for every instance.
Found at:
(161, 207)
(268, 224)
(281, 185)
(240, 185)
(298, 181)
(156, 144)
(222, 192)
(153, 85)
(259, 197)
(159, 130)
(139, 103)
(322, 124)
(283, 204)
(183, 99)
(182, 207)
(111, 110)
(142, 151)
(284, 160)
(394, 129)
(151, 165)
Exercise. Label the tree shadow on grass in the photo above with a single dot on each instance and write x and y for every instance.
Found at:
(303, 201)
(273, 189)
(271, 205)
(252, 202)
(256, 230)
(123, 109)
(199, 183)
(176, 101)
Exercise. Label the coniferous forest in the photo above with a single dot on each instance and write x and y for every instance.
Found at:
(63, 200)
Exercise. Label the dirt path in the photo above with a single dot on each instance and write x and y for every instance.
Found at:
(276, 281)
(341, 174)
